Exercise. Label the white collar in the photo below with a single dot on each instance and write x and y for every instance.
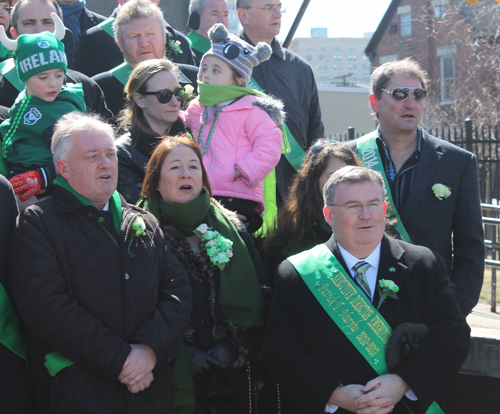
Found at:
(373, 258)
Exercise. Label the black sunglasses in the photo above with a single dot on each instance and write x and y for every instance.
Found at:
(319, 144)
(401, 94)
(165, 95)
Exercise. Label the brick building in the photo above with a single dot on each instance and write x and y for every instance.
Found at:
(442, 35)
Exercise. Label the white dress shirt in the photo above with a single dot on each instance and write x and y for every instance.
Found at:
(371, 277)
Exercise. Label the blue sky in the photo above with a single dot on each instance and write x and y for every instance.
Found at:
(343, 18)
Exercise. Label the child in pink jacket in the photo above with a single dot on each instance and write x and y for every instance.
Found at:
(237, 131)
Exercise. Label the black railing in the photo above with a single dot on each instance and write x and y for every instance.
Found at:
(491, 223)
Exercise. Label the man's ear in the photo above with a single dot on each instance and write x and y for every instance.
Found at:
(374, 102)
(242, 15)
(327, 212)
(384, 207)
(13, 32)
(62, 168)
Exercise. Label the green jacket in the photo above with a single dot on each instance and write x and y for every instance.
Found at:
(28, 145)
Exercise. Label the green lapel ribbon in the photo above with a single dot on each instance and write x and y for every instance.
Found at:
(198, 42)
(115, 204)
(240, 295)
(296, 154)
(9, 71)
(10, 327)
(122, 72)
(347, 306)
(107, 26)
(370, 157)
(210, 95)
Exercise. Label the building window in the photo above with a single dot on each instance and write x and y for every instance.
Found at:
(406, 25)
(355, 67)
(322, 48)
(334, 67)
(320, 58)
(351, 48)
(447, 79)
(337, 48)
(349, 67)
(308, 48)
(354, 57)
(340, 67)
(309, 58)
(439, 11)
(393, 29)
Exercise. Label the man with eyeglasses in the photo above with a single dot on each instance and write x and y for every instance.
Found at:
(432, 185)
(140, 32)
(363, 323)
(287, 77)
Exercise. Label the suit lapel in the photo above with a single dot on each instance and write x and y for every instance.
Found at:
(391, 267)
(430, 156)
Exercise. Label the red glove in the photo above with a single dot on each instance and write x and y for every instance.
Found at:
(27, 184)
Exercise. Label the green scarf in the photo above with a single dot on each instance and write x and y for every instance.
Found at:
(115, 203)
(239, 294)
(210, 95)
(198, 42)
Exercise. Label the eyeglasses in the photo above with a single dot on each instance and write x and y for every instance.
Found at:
(269, 9)
(357, 208)
(401, 94)
(165, 95)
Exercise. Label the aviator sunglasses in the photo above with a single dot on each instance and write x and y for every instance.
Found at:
(165, 95)
(401, 94)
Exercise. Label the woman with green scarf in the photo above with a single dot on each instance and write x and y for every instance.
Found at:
(224, 270)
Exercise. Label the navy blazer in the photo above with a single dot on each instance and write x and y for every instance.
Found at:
(453, 226)
(309, 356)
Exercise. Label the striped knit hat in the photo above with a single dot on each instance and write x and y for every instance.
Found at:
(235, 51)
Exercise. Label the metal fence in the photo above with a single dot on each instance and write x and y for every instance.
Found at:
(491, 222)
(481, 140)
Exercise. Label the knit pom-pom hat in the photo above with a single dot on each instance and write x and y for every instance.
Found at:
(235, 51)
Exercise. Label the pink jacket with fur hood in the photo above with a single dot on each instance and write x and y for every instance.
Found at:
(246, 137)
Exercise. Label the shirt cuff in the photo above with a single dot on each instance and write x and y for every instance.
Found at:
(330, 408)
(410, 395)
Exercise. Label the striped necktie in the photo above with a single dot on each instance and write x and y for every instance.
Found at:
(361, 267)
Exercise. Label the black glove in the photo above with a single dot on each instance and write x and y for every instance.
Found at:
(200, 361)
(225, 353)
(409, 346)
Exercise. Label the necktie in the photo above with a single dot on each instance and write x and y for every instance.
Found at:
(361, 267)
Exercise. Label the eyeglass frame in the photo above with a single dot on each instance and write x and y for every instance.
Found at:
(269, 9)
(178, 95)
(358, 210)
(411, 91)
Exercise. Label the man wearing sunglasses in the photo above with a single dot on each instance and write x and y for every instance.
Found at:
(432, 185)
(141, 35)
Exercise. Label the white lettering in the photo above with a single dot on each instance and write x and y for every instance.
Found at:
(34, 61)
(42, 59)
(53, 56)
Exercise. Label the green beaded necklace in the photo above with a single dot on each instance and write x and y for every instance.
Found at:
(210, 133)
(15, 124)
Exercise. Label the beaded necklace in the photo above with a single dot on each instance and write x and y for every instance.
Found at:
(210, 133)
(15, 124)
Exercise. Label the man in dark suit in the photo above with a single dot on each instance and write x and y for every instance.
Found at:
(141, 35)
(433, 184)
(98, 52)
(314, 359)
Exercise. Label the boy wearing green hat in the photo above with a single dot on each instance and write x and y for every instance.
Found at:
(25, 151)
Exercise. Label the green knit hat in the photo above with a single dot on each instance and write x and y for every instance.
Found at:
(37, 53)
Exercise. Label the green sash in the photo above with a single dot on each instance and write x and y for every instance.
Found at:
(347, 306)
(296, 155)
(107, 26)
(10, 327)
(198, 42)
(122, 72)
(370, 157)
(9, 71)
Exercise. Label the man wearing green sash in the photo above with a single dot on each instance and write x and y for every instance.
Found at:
(285, 76)
(105, 303)
(336, 305)
(140, 32)
(203, 14)
(432, 185)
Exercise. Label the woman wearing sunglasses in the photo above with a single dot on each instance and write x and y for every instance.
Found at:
(153, 98)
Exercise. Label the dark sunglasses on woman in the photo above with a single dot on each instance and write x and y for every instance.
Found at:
(165, 95)
(401, 94)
